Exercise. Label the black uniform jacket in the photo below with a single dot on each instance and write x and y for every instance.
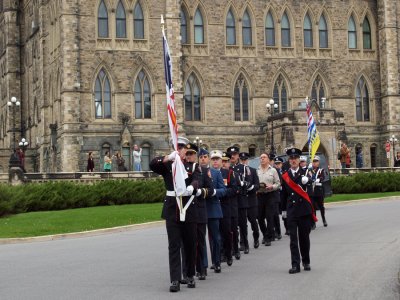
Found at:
(255, 182)
(206, 193)
(294, 204)
(230, 198)
(244, 175)
(170, 208)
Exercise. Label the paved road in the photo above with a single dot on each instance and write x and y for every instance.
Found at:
(356, 257)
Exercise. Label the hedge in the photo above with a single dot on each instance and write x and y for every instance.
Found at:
(66, 195)
(366, 183)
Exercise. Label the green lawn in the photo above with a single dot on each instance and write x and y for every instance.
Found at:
(75, 220)
(82, 219)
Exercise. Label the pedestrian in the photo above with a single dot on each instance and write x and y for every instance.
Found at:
(137, 158)
(21, 156)
(179, 231)
(90, 163)
(303, 162)
(344, 155)
(359, 159)
(348, 160)
(397, 160)
(107, 162)
(268, 198)
(120, 162)
(317, 177)
(299, 211)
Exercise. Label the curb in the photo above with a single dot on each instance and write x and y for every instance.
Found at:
(62, 236)
(362, 200)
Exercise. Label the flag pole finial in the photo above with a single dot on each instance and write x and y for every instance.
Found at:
(162, 23)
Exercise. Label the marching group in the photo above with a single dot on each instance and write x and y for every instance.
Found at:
(223, 194)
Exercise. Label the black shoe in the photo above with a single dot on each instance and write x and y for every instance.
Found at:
(267, 242)
(313, 226)
(307, 267)
(241, 248)
(223, 258)
(191, 283)
(279, 236)
(230, 261)
(256, 244)
(246, 250)
(184, 280)
(294, 270)
(197, 274)
(237, 255)
(325, 224)
(212, 267)
(175, 287)
(217, 269)
(202, 275)
(263, 241)
(287, 232)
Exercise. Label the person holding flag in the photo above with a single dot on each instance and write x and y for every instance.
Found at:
(313, 136)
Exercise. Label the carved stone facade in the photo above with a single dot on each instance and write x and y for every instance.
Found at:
(89, 75)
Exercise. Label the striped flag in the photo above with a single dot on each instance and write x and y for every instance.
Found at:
(178, 169)
(313, 136)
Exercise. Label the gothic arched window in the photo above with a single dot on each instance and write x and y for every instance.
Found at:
(192, 99)
(198, 28)
(352, 33)
(280, 95)
(241, 99)
(323, 32)
(184, 27)
(367, 44)
(308, 32)
(362, 101)
(102, 20)
(247, 29)
(285, 31)
(120, 20)
(102, 91)
(230, 29)
(318, 91)
(142, 97)
(269, 30)
(138, 22)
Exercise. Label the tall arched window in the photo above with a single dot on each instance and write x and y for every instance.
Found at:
(323, 32)
(142, 97)
(192, 99)
(241, 100)
(198, 28)
(285, 31)
(352, 33)
(367, 44)
(280, 95)
(138, 21)
(102, 101)
(146, 154)
(318, 91)
(246, 29)
(269, 30)
(184, 27)
(362, 101)
(308, 33)
(102, 20)
(372, 151)
(120, 18)
(230, 29)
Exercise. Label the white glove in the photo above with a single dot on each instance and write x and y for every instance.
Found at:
(284, 214)
(214, 193)
(317, 180)
(189, 190)
(172, 156)
(304, 180)
(251, 187)
(242, 183)
(198, 193)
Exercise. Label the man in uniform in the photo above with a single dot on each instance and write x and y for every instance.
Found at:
(303, 162)
(279, 168)
(299, 211)
(317, 176)
(179, 231)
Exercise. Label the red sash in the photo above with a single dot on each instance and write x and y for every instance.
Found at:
(299, 191)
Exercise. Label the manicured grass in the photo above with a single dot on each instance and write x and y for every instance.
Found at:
(347, 197)
(75, 220)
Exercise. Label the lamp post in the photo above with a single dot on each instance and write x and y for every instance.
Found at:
(14, 159)
(393, 141)
(23, 144)
(198, 142)
(271, 106)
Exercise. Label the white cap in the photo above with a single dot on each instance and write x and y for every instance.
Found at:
(316, 157)
(216, 153)
(181, 140)
(303, 158)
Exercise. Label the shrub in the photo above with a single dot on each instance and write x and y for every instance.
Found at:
(66, 195)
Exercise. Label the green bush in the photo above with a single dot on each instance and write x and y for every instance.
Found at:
(66, 195)
(366, 183)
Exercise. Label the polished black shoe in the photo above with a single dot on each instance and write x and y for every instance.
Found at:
(256, 244)
(241, 248)
(325, 224)
(217, 269)
(294, 270)
(246, 250)
(184, 280)
(223, 258)
(229, 261)
(263, 241)
(279, 236)
(202, 275)
(175, 287)
(212, 267)
(267, 242)
(191, 283)
(237, 255)
(307, 267)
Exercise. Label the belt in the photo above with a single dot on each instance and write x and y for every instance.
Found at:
(171, 193)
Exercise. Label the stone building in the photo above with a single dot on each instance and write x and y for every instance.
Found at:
(89, 76)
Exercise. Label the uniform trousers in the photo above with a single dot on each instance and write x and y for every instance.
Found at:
(252, 215)
(215, 241)
(299, 228)
(181, 233)
(227, 236)
(235, 234)
(318, 203)
(267, 211)
(277, 222)
(243, 227)
(201, 258)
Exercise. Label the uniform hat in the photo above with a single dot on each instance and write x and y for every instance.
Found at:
(293, 152)
(233, 149)
(303, 158)
(192, 148)
(226, 156)
(278, 160)
(181, 141)
(203, 151)
(244, 155)
(316, 158)
(216, 154)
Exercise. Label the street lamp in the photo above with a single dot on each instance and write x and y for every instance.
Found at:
(393, 141)
(23, 144)
(14, 104)
(198, 142)
(271, 107)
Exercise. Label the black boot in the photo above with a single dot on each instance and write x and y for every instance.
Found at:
(191, 283)
(175, 287)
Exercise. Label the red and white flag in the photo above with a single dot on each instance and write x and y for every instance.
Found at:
(178, 169)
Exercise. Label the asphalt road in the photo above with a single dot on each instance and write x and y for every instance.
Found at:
(356, 257)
